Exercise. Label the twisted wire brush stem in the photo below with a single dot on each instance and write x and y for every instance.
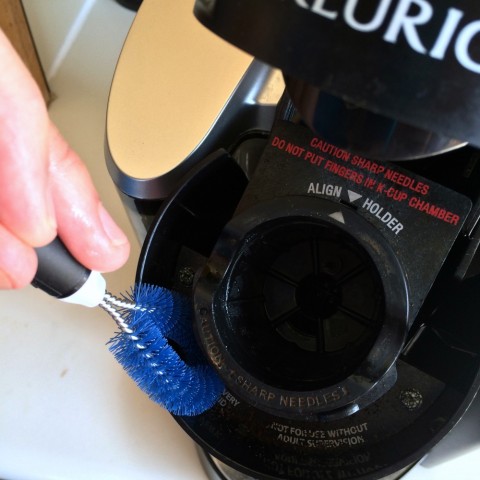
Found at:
(116, 307)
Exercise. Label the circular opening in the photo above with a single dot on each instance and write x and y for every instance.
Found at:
(301, 305)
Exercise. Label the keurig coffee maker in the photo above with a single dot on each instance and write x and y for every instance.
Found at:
(307, 173)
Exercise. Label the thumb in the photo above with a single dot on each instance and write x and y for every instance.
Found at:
(86, 228)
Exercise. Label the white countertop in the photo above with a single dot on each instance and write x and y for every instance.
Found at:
(67, 410)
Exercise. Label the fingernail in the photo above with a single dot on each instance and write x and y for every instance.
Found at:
(113, 231)
(5, 282)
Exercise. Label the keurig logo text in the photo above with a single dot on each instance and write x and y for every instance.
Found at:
(411, 19)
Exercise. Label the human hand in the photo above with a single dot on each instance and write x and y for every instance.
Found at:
(45, 189)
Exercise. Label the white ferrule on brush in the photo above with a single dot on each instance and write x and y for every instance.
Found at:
(91, 293)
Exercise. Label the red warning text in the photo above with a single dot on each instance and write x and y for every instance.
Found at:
(383, 179)
(433, 210)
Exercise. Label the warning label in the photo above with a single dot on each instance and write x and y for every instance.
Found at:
(350, 436)
(388, 184)
(418, 218)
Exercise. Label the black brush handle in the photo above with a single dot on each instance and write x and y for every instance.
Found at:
(59, 274)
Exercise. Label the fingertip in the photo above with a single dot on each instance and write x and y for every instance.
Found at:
(119, 247)
(103, 258)
(94, 248)
(118, 258)
(110, 256)
(115, 234)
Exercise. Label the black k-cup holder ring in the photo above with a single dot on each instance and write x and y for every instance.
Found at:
(302, 307)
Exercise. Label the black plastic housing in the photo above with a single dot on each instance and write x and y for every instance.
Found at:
(412, 68)
(213, 240)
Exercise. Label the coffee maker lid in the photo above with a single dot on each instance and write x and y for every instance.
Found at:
(412, 62)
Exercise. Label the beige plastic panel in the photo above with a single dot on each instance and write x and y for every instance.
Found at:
(171, 82)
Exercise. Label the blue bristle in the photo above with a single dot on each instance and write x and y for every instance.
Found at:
(161, 354)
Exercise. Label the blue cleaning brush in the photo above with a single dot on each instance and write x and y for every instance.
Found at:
(155, 343)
